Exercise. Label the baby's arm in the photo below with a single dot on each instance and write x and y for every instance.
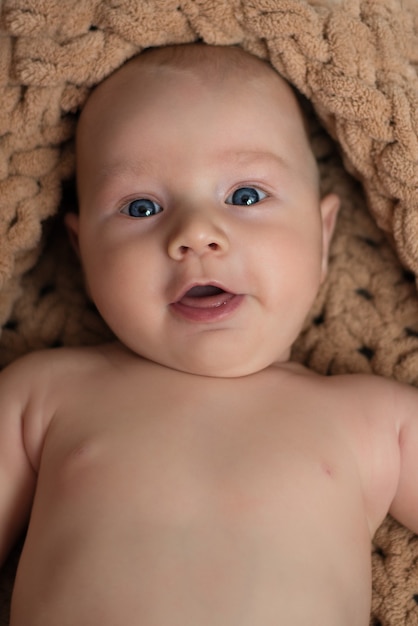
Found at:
(17, 476)
(405, 503)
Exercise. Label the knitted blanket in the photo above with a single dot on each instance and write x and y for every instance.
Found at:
(356, 61)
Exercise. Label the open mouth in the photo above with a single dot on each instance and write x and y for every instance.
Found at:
(206, 303)
(205, 296)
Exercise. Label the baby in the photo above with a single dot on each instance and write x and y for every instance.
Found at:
(189, 474)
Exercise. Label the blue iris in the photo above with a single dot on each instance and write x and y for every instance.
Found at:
(245, 196)
(142, 207)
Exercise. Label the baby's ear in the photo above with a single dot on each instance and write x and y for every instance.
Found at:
(72, 221)
(330, 205)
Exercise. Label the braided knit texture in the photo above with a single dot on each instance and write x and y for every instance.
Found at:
(355, 60)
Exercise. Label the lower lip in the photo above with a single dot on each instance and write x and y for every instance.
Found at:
(207, 314)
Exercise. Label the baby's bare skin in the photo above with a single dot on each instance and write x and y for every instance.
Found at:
(195, 477)
(247, 501)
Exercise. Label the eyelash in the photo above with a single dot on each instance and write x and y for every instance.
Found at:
(150, 207)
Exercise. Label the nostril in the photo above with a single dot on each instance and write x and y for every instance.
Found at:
(211, 246)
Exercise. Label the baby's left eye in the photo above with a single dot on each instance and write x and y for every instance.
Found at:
(245, 196)
(142, 207)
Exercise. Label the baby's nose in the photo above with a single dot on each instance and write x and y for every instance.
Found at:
(199, 235)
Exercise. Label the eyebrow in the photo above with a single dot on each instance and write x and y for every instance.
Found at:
(250, 156)
(245, 158)
(125, 168)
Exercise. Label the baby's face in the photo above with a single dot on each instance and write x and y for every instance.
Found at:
(201, 231)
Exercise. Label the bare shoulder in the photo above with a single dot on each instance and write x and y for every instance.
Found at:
(382, 398)
(32, 389)
(31, 385)
(365, 389)
(44, 365)
(369, 389)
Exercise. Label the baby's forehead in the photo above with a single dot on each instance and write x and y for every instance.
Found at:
(213, 63)
(205, 73)
(226, 69)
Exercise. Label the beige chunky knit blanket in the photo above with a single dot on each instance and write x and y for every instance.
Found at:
(355, 60)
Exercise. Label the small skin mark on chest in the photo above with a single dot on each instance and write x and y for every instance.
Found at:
(80, 451)
(80, 457)
(82, 464)
(327, 469)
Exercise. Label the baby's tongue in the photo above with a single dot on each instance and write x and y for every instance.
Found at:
(203, 296)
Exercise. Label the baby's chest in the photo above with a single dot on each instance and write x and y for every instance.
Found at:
(182, 463)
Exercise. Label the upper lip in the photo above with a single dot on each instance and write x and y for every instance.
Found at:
(206, 283)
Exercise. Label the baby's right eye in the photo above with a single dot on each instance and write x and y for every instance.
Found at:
(141, 207)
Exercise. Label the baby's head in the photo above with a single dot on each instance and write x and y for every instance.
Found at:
(201, 230)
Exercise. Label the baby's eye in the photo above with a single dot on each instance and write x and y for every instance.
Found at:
(142, 207)
(244, 196)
